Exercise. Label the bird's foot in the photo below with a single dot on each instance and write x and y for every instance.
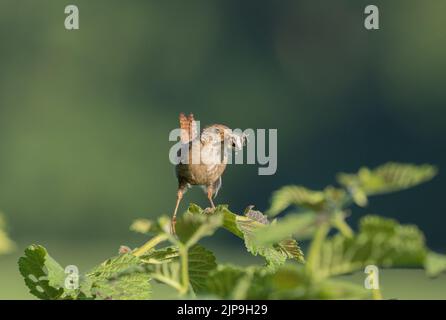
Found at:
(209, 211)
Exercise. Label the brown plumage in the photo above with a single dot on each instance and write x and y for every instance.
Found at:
(205, 158)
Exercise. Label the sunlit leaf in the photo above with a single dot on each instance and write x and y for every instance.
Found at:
(113, 279)
(300, 226)
(232, 282)
(295, 195)
(43, 275)
(435, 264)
(245, 228)
(389, 177)
(193, 227)
(380, 241)
(200, 263)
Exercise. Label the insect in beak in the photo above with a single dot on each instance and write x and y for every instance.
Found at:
(238, 141)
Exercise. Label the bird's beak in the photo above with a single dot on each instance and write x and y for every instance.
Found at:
(238, 141)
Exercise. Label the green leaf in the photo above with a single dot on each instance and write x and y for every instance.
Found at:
(300, 225)
(389, 177)
(141, 226)
(132, 286)
(380, 241)
(114, 279)
(246, 227)
(298, 196)
(223, 280)
(336, 289)
(167, 254)
(273, 257)
(435, 264)
(194, 227)
(6, 244)
(43, 275)
(201, 263)
(167, 273)
(288, 282)
(292, 282)
(233, 282)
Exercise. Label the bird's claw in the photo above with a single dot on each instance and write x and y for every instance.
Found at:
(209, 210)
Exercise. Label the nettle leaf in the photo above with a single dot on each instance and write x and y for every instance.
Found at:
(389, 177)
(6, 244)
(300, 225)
(167, 273)
(233, 282)
(43, 275)
(276, 253)
(435, 264)
(193, 227)
(298, 196)
(132, 286)
(245, 228)
(288, 282)
(159, 256)
(380, 241)
(272, 256)
(200, 263)
(318, 201)
(222, 281)
(115, 279)
(292, 282)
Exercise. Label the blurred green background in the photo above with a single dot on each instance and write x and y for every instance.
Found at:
(85, 115)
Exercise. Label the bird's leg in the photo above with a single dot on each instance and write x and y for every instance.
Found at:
(210, 192)
(174, 217)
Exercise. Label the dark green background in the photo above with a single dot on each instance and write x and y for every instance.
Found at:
(85, 115)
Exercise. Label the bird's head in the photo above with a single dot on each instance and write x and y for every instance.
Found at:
(218, 134)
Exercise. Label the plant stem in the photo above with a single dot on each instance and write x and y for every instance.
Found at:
(343, 227)
(314, 253)
(184, 258)
(150, 244)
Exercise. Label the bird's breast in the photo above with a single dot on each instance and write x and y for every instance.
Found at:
(205, 166)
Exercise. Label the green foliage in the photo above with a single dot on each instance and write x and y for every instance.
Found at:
(243, 227)
(247, 226)
(232, 282)
(194, 227)
(389, 177)
(185, 265)
(111, 279)
(379, 241)
(164, 265)
(298, 196)
(6, 244)
(288, 282)
(301, 226)
(46, 279)
(435, 264)
(43, 276)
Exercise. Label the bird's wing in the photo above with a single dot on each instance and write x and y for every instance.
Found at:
(188, 128)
